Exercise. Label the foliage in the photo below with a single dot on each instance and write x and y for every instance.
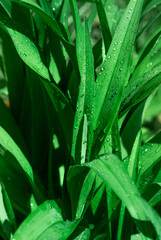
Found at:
(75, 159)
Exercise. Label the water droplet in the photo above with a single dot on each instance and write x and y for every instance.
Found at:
(109, 56)
(122, 62)
(114, 49)
(120, 69)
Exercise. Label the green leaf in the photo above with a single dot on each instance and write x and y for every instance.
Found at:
(8, 143)
(83, 235)
(28, 52)
(128, 136)
(86, 68)
(36, 8)
(46, 222)
(7, 122)
(111, 170)
(85, 191)
(7, 217)
(7, 5)
(104, 24)
(12, 175)
(134, 158)
(150, 154)
(113, 75)
(13, 70)
(152, 4)
(52, 23)
(47, 8)
(114, 14)
(79, 183)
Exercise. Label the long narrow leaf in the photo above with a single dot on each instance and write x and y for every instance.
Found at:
(111, 170)
(114, 72)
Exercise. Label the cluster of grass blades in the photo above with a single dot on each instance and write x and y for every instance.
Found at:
(74, 160)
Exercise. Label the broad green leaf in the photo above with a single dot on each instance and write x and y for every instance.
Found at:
(114, 72)
(28, 52)
(111, 170)
(46, 222)
(44, 216)
(59, 230)
(7, 218)
(7, 6)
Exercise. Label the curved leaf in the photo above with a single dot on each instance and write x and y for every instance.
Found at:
(111, 170)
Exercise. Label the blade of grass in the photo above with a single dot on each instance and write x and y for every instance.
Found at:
(104, 24)
(127, 136)
(113, 73)
(152, 4)
(28, 52)
(12, 175)
(7, 6)
(46, 8)
(8, 143)
(53, 24)
(13, 70)
(111, 170)
(7, 218)
(8, 123)
(145, 28)
(133, 171)
(86, 68)
(50, 221)
(79, 183)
